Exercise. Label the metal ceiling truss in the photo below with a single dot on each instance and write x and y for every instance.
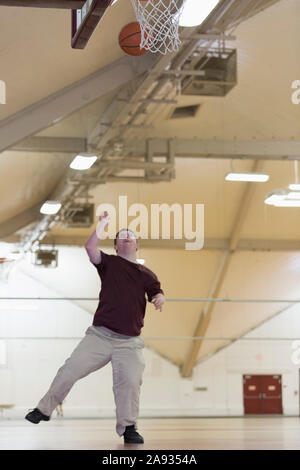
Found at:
(50, 144)
(210, 149)
(242, 336)
(53, 108)
(140, 150)
(212, 244)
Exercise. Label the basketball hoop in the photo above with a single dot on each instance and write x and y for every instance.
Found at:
(159, 24)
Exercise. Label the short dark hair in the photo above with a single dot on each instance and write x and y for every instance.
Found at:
(127, 230)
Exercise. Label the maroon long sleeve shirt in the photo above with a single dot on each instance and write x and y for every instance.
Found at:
(122, 301)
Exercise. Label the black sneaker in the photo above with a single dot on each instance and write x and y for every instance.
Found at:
(131, 436)
(35, 416)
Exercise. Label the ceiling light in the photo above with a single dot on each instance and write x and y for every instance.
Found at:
(50, 207)
(293, 195)
(196, 11)
(83, 161)
(272, 199)
(140, 260)
(288, 203)
(283, 198)
(256, 177)
(294, 186)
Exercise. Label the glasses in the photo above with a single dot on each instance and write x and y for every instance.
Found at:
(124, 235)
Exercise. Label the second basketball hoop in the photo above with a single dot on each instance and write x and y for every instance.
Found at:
(159, 24)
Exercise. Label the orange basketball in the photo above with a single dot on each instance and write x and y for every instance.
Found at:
(130, 38)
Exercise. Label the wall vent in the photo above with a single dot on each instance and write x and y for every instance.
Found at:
(81, 215)
(185, 111)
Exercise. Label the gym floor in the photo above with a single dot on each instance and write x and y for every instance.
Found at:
(237, 433)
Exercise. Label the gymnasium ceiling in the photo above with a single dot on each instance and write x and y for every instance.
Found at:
(257, 115)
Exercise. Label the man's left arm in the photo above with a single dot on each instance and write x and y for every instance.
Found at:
(158, 300)
(154, 292)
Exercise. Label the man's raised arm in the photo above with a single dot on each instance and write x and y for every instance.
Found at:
(91, 245)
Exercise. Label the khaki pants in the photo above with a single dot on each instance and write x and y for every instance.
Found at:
(96, 350)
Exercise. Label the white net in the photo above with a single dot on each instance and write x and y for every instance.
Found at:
(159, 24)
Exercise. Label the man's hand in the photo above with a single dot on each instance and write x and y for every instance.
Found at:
(158, 300)
(104, 218)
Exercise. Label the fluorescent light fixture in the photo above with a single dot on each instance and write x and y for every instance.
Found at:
(294, 186)
(256, 177)
(196, 11)
(83, 161)
(140, 260)
(273, 199)
(50, 207)
(293, 195)
(286, 203)
(283, 198)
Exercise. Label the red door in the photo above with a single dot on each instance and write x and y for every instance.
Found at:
(251, 394)
(271, 394)
(262, 394)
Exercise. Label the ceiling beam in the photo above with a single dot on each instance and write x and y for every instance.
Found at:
(253, 8)
(65, 4)
(183, 148)
(50, 144)
(224, 149)
(60, 104)
(209, 243)
(206, 315)
(243, 334)
(19, 221)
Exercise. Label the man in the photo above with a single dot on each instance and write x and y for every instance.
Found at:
(115, 333)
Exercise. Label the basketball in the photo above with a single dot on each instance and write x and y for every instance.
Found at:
(130, 38)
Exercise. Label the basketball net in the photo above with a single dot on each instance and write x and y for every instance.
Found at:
(159, 24)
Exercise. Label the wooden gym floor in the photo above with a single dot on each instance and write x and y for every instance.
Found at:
(240, 433)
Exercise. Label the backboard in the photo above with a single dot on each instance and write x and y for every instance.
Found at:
(66, 4)
(85, 21)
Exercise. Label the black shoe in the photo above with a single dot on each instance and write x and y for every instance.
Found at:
(131, 436)
(35, 416)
